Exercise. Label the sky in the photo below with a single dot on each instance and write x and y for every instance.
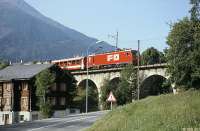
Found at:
(145, 20)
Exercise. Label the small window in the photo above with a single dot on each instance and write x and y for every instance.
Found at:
(78, 62)
(53, 88)
(64, 64)
(69, 63)
(21, 117)
(62, 101)
(35, 117)
(62, 87)
(53, 101)
(72, 111)
(61, 64)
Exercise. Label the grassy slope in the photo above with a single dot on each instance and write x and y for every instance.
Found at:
(158, 113)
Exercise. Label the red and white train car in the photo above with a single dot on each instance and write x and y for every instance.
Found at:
(76, 63)
(112, 59)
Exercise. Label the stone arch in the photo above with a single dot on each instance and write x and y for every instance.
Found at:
(114, 75)
(83, 83)
(114, 82)
(93, 95)
(148, 73)
(152, 85)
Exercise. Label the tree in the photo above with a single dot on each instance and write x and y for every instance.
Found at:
(184, 47)
(43, 81)
(195, 10)
(152, 56)
(179, 56)
(127, 85)
(196, 56)
(195, 20)
(3, 63)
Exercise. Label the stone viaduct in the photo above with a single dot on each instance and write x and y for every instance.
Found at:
(98, 76)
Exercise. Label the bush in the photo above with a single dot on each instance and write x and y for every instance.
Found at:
(46, 110)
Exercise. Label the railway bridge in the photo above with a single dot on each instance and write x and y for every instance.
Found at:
(147, 74)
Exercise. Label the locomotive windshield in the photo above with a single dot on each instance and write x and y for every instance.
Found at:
(134, 52)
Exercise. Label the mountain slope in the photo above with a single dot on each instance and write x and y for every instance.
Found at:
(26, 34)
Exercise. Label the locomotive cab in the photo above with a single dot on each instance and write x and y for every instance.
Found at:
(134, 56)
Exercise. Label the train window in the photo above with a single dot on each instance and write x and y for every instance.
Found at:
(127, 54)
(69, 63)
(78, 62)
(134, 52)
(73, 62)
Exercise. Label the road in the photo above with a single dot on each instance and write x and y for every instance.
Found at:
(69, 123)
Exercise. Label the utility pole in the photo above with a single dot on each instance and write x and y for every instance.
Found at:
(138, 69)
(87, 69)
(116, 37)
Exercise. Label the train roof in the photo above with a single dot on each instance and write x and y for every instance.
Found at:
(113, 52)
(81, 57)
(68, 59)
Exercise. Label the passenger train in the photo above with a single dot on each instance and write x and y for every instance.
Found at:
(98, 61)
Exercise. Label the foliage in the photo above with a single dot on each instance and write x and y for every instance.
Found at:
(127, 85)
(46, 110)
(93, 99)
(105, 90)
(195, 10)
(184, 46)
(122, 88)
(43, 81)
(80, 98)
(183, 54)
(152, 56)
(196, 55)
(179, 56)
(156, 113)
(3, 64)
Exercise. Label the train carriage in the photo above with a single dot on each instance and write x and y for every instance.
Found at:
(112, 59)
(76, 63)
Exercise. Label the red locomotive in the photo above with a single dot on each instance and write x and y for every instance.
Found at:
(98, 61)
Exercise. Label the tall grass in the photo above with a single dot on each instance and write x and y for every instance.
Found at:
(159, 113)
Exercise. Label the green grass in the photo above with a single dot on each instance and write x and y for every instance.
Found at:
(156, 113)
